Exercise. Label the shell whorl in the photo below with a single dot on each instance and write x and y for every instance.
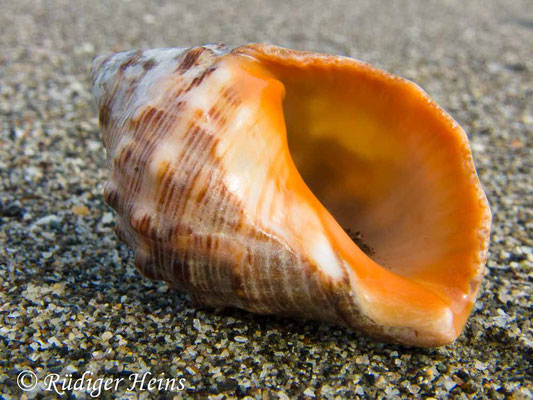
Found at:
(201, 180)
(168, 186)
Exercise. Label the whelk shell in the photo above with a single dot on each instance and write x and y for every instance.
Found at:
(212, 200)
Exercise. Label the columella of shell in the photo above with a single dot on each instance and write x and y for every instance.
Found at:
(294, 183)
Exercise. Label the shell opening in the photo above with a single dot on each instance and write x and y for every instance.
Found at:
(392, 168)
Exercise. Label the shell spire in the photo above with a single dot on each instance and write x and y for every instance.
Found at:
(235, 170)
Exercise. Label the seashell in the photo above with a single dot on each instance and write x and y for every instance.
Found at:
(213, 202)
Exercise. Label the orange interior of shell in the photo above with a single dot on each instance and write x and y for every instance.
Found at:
(388, 163)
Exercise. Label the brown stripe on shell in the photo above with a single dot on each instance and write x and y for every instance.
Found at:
(104, 116)
(192, 58)
(111, 196)
(199, 79)
(145, 226)
(132, 60)
(146, 266)
(149, 64)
